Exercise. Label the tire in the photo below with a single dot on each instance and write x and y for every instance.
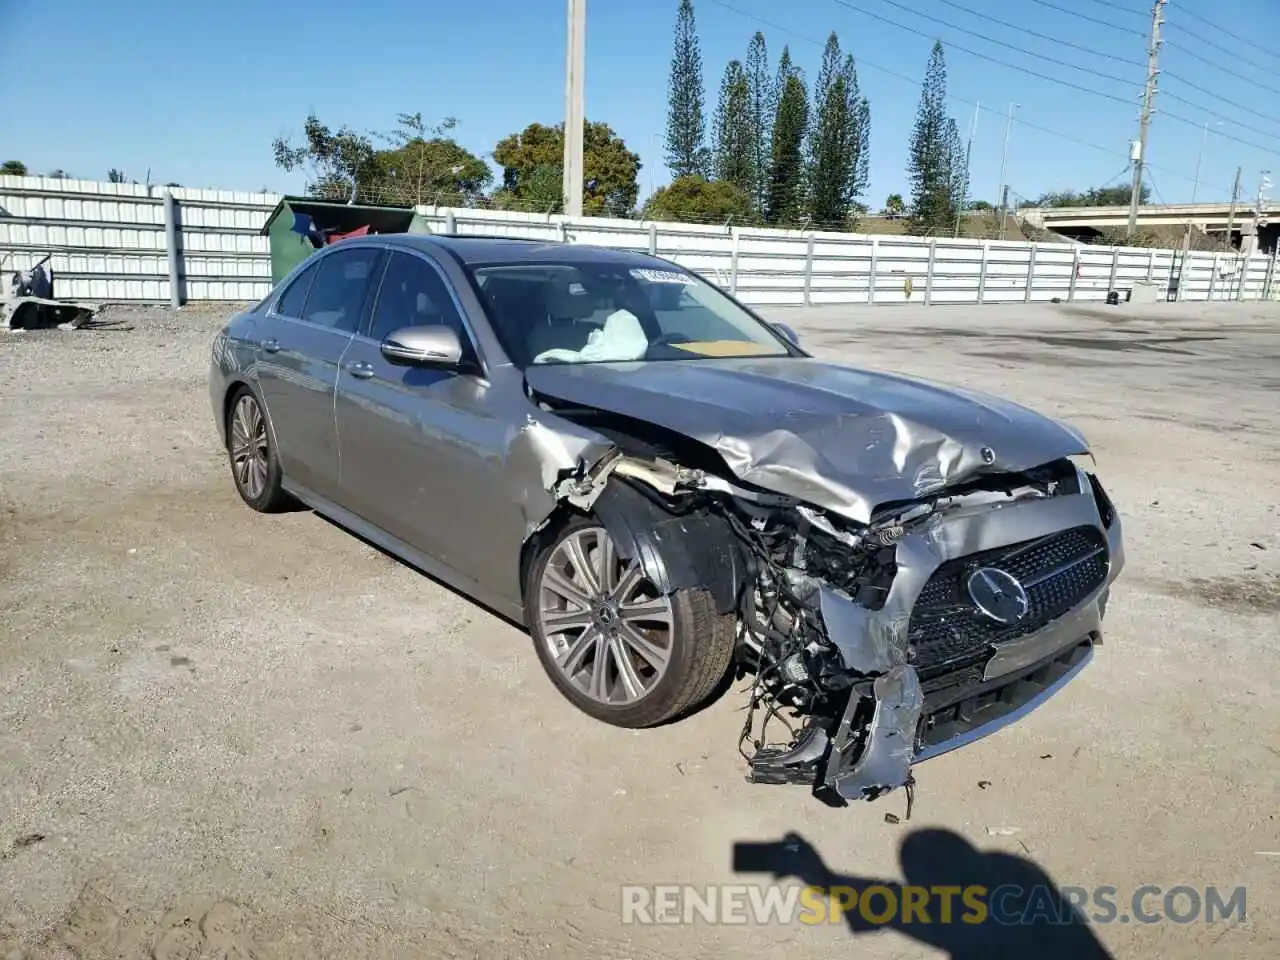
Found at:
(571, 637)
(251, 454)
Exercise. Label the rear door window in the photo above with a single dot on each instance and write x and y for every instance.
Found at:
(337, 295)
(292, 300)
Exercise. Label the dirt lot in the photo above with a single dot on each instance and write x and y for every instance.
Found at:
(228, 735)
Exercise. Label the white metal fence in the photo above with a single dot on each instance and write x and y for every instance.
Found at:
(108, 242)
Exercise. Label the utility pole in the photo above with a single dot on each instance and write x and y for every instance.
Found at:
(1231, 211)
(1204, 142)
(968, 153)
(1004, 151)
(1004, 163)
(574, 111)
(1148, 100)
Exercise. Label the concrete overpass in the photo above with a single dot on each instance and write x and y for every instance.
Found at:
(1085, 223)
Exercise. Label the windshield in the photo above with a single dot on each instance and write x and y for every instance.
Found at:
(609, 312)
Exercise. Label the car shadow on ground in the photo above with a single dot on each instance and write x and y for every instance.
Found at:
(1025, 914)
(725, 684)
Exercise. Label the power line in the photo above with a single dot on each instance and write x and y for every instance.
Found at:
(1154, 189)
(1083, 49)
(1098, 53)
(996, 60)
(1115, 7)
(915, 81)
(981, 36)
(1210, 110)
(1041, 36)
(1050, 79)
(1265, 148)
(1234, 55)
(1236, 37)
(1172, 45)
(1111, 27)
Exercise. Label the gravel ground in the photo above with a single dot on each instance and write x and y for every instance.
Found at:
(228, 735)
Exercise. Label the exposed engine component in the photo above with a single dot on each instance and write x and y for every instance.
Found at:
(836, 699)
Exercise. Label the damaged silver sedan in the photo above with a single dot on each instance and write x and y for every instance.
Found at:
(669, 492)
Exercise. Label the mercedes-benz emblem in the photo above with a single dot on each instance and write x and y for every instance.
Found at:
(998, 595)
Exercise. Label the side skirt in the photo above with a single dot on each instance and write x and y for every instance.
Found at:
(402, 551)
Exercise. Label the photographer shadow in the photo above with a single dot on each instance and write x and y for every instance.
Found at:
(1032, 919)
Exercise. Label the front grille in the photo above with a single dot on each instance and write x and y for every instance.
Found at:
(1058, 571)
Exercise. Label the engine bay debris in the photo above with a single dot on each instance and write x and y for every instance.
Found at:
(863, 650)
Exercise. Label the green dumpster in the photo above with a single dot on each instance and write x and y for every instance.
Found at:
(299, 226)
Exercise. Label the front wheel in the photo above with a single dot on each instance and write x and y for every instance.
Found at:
(612, 644)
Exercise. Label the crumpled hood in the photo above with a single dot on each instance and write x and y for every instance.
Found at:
(839, 438)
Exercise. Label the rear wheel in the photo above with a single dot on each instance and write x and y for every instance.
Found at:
(255, 468)
(614, 646)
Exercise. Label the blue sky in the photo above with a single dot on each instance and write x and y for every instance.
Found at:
(196, 91)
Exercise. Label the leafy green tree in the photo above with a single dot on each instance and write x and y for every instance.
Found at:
(427, 165)
(894, 206)
(115, 176)
(686, 121)
(542, 190)
(610, 169)
(763, 106)
(1093, 197)
(936, 160)
(13, 168)
(786, 168)
(734, 148)
(695, 199)
(838, 140)
(337, 163)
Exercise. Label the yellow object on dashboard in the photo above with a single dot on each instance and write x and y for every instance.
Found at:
(727, 348)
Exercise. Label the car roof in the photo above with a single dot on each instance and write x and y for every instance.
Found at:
(492, 251)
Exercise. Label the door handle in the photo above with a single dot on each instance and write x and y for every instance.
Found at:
(271, 345)
(360, 370)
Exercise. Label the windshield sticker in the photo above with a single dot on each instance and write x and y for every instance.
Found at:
(662, 276)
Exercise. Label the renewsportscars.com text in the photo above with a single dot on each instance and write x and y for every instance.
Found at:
(893, 904)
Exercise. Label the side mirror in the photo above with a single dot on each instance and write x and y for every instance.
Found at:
(787, 332)
(435, 346)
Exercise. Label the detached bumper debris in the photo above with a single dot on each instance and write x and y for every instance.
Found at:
(29, 304)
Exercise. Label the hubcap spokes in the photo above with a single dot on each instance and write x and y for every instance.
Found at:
(249, 447)
(606, 627)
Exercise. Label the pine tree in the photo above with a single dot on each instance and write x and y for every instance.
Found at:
(686, 121)
(763, 106)
(931, 162)
(734, 159)
(957, 169)
(786, 169)
(859, 109)
(828, 157)
(838, 141)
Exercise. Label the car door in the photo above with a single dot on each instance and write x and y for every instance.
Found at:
(308, 331)
(420, 448)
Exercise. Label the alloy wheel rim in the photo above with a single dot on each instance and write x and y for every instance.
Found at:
(608, 630)
(249, 447)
